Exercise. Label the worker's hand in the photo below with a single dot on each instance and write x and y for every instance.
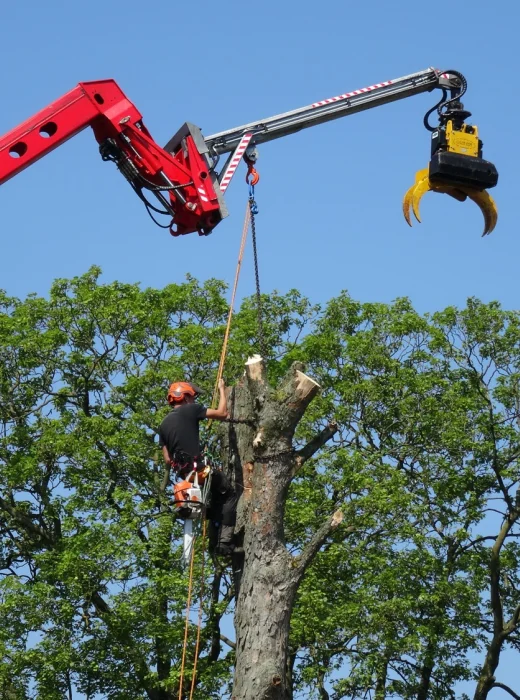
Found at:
(219, 413)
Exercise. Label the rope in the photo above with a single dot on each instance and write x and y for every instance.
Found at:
(253, 210)
(187, 622)
(201, 603)
(223, 354)
(222, 361)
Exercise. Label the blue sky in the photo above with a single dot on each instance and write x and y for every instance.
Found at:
(329, 197)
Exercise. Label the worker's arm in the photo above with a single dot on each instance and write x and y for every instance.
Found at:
(221, 412)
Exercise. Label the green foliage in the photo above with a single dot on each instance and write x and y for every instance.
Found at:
(426, 454)
(92, 593)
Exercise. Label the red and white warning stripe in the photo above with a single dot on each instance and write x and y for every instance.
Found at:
(202, 193)
(353, 94)
(235, 160)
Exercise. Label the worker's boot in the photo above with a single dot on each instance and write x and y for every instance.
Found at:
(225, 540)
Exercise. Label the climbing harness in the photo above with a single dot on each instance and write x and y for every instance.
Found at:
(190, 498)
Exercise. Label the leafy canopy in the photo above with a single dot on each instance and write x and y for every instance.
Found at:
(424, 464)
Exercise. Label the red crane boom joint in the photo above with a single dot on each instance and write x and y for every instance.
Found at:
(179, 175)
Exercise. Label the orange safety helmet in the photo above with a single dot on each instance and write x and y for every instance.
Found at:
(178, 390)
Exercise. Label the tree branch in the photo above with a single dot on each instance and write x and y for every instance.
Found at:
(494, 567)
(314, 445)
(227, 641)
(500, 633)
(282, 408)
(25, 520)
(312, 547)
(113, 484)
(166, 478)
(139, 664)
(100, 604)
(505, 687)
(513, 622)
(214, 617)
(481, 539)
(483, 390)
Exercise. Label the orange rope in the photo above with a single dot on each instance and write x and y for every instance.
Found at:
(231, 305)
(223, 354)
(186, 625)
(199, 622)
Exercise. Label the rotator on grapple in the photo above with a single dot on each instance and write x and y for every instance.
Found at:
(456, 166)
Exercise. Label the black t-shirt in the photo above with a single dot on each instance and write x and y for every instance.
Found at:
(179, 431)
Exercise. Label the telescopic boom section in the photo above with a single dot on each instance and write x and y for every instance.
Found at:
(329, 109)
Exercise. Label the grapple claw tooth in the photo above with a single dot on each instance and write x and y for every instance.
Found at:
(423, 184)
(487, 206)
(420, 189)
(408, 198)
(407, 202)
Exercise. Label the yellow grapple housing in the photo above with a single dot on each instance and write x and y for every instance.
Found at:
(456, 168)
(457, 158)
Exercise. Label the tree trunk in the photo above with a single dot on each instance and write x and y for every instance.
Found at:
(501, 629)
(382, 673)
(424, 685)
(423, 690)
(487, 673)
(263, 463)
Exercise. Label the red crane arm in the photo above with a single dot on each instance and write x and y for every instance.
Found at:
(180, 177)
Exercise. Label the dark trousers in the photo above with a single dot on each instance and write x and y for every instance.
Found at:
(222, 513)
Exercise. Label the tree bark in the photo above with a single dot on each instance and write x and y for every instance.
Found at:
(263, 462)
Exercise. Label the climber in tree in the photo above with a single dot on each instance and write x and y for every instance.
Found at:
(179, 440)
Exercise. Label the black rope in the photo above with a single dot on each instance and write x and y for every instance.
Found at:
(261, 338)
(274, 455)
(240, 421)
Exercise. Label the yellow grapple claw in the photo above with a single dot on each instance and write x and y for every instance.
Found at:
(407, 201)
(457, 167)
(423, 184)
(487, 206)
(419, 191)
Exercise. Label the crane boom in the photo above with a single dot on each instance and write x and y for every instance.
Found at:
(326, 110)
(183, 175)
